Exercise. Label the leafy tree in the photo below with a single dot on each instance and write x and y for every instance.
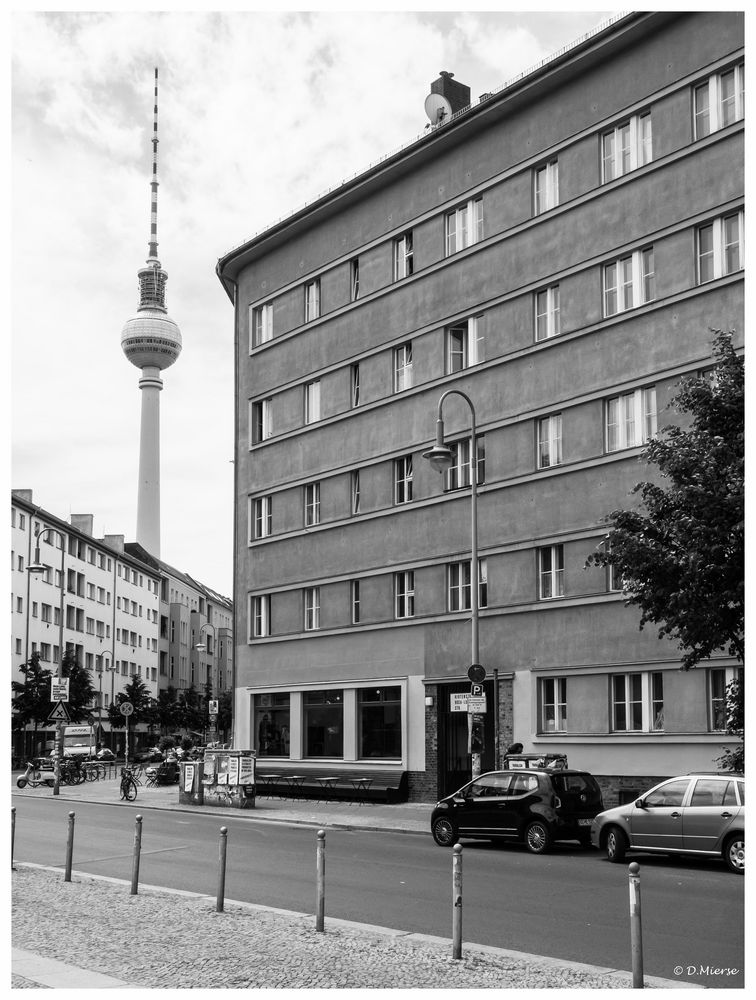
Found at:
(191, 714)
(31, 697)
(81, 690)
(681, 560)
(167, 710)
(734, 759)
(136, 692)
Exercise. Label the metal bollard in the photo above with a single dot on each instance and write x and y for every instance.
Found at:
(137, 850)
(13, 835)
(69, 846)
(320, 900)
(221, 870)
(457, 902)
(636, 938)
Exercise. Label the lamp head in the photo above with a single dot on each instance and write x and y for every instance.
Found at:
(37, 566)
(440, 457)
(200, 646)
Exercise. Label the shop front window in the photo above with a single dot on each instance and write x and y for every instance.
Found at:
(324, 723)
(272, 715)
(380, 722)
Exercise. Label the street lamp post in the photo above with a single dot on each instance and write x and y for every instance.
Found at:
(37, 566)
(201, 646)
(441, 458)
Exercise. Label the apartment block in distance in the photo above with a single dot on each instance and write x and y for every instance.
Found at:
(559, 250)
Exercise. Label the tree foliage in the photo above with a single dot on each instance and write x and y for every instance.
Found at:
(681, 556)
(136, 692)
(31, 697)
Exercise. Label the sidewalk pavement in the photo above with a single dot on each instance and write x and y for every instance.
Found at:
(407, 817)
(256, 946)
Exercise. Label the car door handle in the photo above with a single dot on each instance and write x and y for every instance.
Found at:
(675, 815)
(726, 815)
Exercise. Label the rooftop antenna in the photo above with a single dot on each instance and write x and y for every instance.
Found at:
(153, 250)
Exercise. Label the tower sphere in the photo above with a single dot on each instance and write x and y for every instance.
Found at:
(151, 339)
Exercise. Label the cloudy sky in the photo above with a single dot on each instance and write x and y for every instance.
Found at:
(260, 113)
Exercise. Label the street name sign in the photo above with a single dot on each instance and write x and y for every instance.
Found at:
(458, 701)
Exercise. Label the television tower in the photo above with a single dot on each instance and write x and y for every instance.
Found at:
(151, 341)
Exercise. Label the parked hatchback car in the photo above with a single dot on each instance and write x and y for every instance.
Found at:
(697, 814)
(534, 806)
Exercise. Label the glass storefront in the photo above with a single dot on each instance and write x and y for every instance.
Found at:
(380, 722)
(324, 723)
(272, 725)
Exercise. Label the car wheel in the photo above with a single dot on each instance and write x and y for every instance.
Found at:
(443, 832)
(538, 837)
(615, 844)
(734, 853)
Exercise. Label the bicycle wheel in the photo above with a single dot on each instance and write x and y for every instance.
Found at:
(99, 772)
(128, 789)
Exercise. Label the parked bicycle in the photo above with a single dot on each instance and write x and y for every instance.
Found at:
(93, 771)
(72, 771)
(34, 777)
(128, 784)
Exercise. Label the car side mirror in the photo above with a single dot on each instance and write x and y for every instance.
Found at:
(459, 799)
(640, 803)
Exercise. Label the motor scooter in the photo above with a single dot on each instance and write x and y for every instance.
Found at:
(33, 776)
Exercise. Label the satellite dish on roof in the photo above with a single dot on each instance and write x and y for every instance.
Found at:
(437, 108)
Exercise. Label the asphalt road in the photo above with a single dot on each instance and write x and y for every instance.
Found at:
(569, 904)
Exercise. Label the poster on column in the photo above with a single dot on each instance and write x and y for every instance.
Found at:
(233, 771)
(188, 777)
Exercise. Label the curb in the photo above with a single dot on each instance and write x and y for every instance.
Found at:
(32, 967)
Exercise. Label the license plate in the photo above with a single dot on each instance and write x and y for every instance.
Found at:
(584, 822)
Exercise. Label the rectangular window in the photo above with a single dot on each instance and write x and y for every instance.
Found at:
(312, 401)
(719, 101)
(550, 441)
(458, 475)
(404, 257)
(720, 247)
(355, 491)
(323, 722)
(627, 703)
(718, 680)
(458, 575)
(379, 722)
(629, 282)
(403, 479)
(630, 419)
(657, 701)
(464, 345)
(354, 388)
(626, 147)
(403, 367)
(260, 324)
(547, 320)
(262, 516)
(312, 300)
(354, 279)
(550, 572)
(312, 504)
(311, 608)
(546, 187)
(262, 427)
(272, 724)
(259, 614)
(464, 226)
(355, 598)
(404, 594)
(554, 705)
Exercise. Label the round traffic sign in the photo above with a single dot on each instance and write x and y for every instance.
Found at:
(477, 673)
(126, 708)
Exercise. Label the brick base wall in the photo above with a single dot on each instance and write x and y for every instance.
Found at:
(617, 789)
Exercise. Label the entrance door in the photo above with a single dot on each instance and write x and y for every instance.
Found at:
(454, 760)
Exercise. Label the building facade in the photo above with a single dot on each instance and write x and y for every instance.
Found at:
(124, 613)
(559, 251)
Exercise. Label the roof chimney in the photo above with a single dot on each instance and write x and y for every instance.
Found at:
(457, 94)
(83, 523)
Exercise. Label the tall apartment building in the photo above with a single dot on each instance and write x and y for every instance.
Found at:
(124, 613)
(559, 250)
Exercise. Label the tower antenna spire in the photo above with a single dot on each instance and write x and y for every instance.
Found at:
(153, 251)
